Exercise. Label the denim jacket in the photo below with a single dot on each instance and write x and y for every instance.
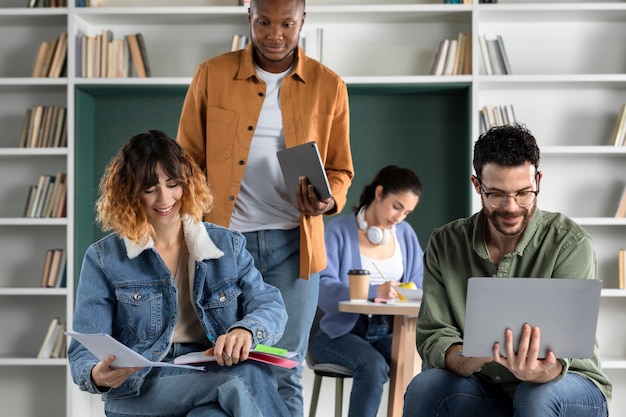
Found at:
(126, 290)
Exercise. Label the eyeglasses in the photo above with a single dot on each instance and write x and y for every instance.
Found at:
(499, 200)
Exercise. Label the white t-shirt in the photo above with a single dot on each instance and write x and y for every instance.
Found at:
(392, 267)
(262, 203)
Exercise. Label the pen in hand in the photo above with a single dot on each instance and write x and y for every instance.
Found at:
(400, 296)
(213, 341)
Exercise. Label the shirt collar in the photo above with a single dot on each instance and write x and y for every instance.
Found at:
(247, 67)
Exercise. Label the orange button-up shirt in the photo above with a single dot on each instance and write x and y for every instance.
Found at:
(219, 118)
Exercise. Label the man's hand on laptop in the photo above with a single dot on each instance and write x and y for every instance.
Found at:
(525, 364)
(463, 365)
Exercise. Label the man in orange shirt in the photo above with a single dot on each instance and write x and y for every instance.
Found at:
(241, 108)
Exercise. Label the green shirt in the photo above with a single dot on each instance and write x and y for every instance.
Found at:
(552, 246)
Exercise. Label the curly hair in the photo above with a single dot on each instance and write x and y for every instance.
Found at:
(134, 169)
(505, 145)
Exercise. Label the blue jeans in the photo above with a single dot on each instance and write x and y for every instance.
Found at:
(439, 392)
(367, 351)
(276, 254)
(246, 389)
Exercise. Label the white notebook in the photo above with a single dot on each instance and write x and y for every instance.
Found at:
(565, 310)
(304, 160)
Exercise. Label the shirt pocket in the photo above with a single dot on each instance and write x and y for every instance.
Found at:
(140, 307)
(221, 130)
(223, 302)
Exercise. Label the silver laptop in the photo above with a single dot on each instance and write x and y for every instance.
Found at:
(565, 310)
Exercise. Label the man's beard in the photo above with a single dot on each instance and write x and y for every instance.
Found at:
(526, 212)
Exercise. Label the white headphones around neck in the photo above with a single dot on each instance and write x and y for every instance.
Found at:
(375, 234)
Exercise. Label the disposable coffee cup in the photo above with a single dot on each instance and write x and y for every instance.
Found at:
(359, 281)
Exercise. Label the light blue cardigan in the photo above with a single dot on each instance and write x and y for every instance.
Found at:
(342, 250)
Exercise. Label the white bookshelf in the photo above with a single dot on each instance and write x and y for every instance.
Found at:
(568, 82)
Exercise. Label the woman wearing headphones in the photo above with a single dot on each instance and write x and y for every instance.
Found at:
(375, 237)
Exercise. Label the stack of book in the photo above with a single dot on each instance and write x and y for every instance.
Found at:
(51, 58)
(618, 138)
(53, 275)
(47, 198)
(102, 56)
(494, 55)
(453, 56)
(44, 127)
(491, 116)
(55, 342)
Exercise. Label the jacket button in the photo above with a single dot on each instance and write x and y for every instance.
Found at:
(259, 334)
(241, 162)
(222, 297)
(231, 197)
(261, 94)
(250, 128)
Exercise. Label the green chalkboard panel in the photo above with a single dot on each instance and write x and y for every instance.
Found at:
(105, 118)
(424, 128)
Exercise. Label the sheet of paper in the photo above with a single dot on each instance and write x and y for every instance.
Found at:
(103, 345)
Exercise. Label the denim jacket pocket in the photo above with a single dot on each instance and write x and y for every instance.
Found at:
(141, 308)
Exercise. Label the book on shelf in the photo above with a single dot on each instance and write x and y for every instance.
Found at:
(103, 56)
(621, 206)
(621, 268)
(453, 56)
(35, 126)
(106, 38)
(59, 59)
(503, 55)
(54, 342)
(51, 58)
(48, 197)
(484, 53)
(36, 204)
(618, 137)
(238, 42)
(59, 349)
(136, 45)
(144, 54)
(25, 129)
(40, 59)
(54, 269)
(311, 41)
(50, 338)
(46, 3)
(46, 267)
(57, 269)
(495, 59)
(439, 59)
(490, 116)
(43, 126)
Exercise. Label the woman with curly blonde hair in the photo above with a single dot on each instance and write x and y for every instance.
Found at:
(165, 283)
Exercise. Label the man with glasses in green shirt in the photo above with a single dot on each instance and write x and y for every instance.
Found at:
(509, 237)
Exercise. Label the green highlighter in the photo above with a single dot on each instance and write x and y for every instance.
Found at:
(270, 349)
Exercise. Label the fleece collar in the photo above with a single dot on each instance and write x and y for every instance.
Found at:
(199, 244)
